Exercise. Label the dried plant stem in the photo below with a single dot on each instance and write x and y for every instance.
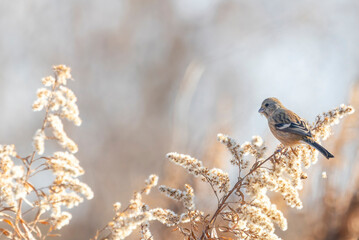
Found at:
(58, 102)
(253, 215)
(18, 213)
(223, 202)
(28, 173)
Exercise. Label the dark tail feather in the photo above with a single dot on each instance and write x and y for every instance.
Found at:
(321, 149)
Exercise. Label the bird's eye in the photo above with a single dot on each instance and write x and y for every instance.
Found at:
(266, 105)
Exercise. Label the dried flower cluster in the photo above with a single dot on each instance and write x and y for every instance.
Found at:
(216, 177)
(138, 214)
(255, 215)
(60, 103)
(245, 210)
(66, 190)
(11, 179)
(321, 127)
(186, 197)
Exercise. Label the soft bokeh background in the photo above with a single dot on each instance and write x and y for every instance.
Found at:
(159, 76)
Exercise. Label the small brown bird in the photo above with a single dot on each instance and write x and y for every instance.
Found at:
(288, 127)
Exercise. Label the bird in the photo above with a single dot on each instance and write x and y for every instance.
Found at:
(290, 129)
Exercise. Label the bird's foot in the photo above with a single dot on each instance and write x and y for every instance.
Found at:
(293, 150)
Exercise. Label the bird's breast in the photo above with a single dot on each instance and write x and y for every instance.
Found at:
(286, 138)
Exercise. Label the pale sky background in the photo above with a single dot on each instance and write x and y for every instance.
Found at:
(129, 59)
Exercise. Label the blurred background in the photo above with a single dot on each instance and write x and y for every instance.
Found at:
(156, 76)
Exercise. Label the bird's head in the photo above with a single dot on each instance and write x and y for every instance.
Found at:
(269, 106)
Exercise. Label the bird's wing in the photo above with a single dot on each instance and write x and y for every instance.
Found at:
(291, 122)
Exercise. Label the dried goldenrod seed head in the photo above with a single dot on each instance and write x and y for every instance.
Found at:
(39, 141)
(62, 73)
(150, 183)
(251, 215)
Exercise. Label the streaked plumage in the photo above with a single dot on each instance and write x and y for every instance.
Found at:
(288, 127)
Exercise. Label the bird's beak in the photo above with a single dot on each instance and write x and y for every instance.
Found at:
(261, 110)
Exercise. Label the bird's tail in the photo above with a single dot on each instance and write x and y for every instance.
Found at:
(317, 146)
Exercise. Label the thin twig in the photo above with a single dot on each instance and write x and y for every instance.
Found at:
(236, 186)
